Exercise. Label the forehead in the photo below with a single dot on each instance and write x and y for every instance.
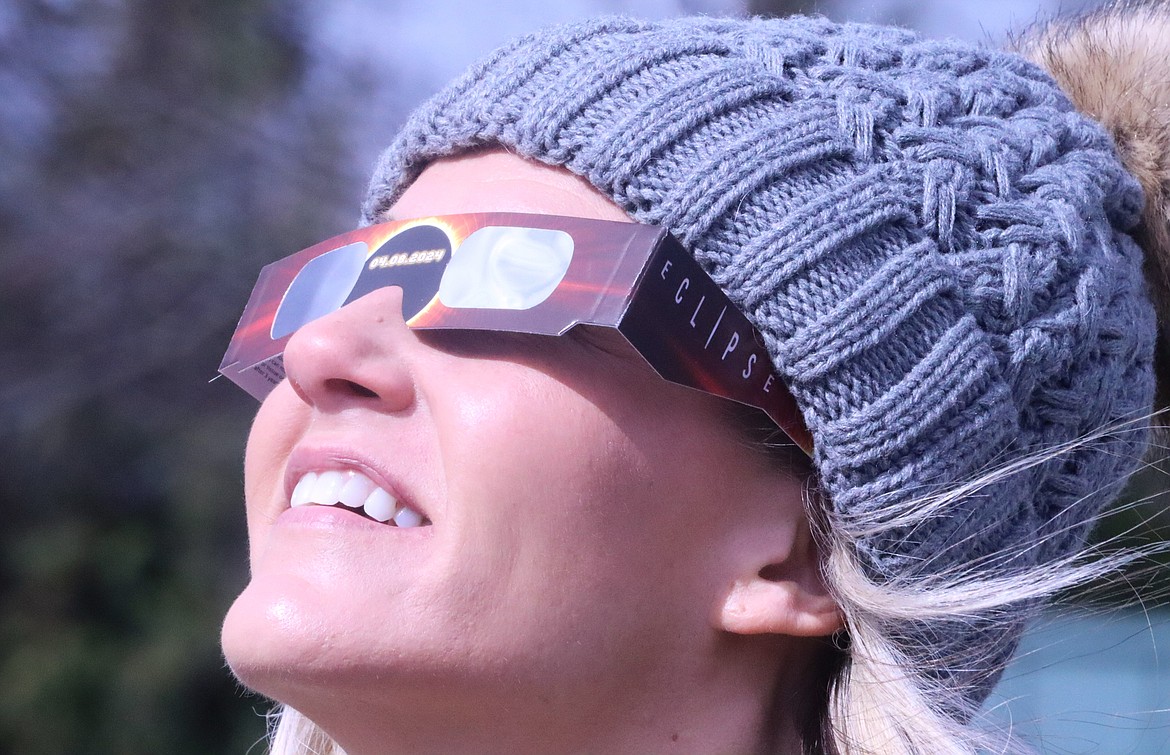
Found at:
(498, 181)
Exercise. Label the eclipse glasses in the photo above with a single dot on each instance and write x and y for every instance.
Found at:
(539, 274)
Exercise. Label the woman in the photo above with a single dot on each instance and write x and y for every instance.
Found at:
(546, 547)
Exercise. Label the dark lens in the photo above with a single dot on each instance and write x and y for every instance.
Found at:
(414, 260)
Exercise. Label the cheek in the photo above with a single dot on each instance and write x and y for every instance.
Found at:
(540, 458)
(562, 505)
(278, 425)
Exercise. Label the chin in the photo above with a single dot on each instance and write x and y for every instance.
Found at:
(279, 636)
(301, 644)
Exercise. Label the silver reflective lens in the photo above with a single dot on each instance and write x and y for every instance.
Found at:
(500, 267)
(320, 287)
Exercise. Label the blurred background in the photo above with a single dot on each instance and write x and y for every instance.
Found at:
(155, 154)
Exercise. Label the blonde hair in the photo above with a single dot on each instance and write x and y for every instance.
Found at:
(291, 733)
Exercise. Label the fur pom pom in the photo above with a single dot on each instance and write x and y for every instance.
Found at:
(1115, 66)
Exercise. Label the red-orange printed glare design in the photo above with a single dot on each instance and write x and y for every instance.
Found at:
(540, 274)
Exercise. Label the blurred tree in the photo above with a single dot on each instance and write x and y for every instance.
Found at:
(156, 154)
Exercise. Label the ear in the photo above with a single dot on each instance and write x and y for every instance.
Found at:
(784, 596)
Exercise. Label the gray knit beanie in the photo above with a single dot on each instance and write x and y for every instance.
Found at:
(934, 243)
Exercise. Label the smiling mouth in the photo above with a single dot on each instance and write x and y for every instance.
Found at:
(352, 490)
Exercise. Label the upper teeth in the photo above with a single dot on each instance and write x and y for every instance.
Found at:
(353, 489)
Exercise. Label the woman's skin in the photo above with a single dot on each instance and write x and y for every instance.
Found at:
(588, 574)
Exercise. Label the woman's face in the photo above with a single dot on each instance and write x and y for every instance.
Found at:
(582, 519)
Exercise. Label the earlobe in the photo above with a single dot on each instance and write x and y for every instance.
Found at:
(759, 605)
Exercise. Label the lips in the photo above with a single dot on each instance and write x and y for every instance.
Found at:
(355, 491)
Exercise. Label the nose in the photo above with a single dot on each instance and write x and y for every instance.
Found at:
(354, 356)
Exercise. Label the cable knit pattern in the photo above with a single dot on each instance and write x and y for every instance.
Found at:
(934, 244)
